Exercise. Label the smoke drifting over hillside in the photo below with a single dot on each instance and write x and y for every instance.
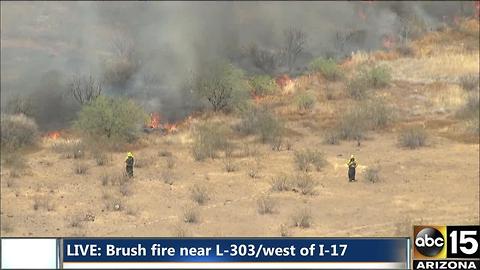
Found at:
(147, 50)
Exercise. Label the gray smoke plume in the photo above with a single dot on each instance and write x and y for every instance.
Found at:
(148, 50)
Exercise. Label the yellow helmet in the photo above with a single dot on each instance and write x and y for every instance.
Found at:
(129, 154)
(352, 156)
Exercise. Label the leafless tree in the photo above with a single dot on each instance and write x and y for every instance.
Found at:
(266, 60)
(294, 44)
(84, 89)
(125, 63)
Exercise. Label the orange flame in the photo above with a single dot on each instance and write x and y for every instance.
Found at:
(283, 80)
(154, 120)
(170, 128)
(53, 135)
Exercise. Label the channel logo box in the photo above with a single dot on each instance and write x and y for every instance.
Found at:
(430, 242)
(446, 242)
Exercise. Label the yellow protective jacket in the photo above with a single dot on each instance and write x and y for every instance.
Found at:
(352, 163)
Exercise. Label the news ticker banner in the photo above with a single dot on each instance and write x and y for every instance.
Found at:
(229, 253)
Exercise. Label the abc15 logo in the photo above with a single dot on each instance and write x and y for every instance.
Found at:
(446, 242)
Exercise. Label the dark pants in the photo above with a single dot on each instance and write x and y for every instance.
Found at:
(129, 171)
(351, 173)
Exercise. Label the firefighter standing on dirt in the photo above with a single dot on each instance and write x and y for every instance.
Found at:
(352, 165)
(129, 162)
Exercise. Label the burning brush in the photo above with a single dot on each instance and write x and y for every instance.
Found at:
(155, 124)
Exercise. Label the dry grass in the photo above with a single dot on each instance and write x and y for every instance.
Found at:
(307, 159)
(80, 168)
(469, 82)
(43, 203)
(303, 218)
(443, 67)
(168, 177)
(164, 153)
(208, 139)
(69, 149)
(284, 230)
(114, 179)
(229, 165)
(265, 205)
(132, 211)
(199, 194)
(281, 183)
(170, 162)
(179, 230)
(16, 163)
(191, 215)
(141, 163)
(331, 137)
(112, 201)
(372, 174)
(7, 226)
(75, 221)
(413, 137)
(126, 189)
(10, 183)
(101, 158)
(304, 183)
(254, 168)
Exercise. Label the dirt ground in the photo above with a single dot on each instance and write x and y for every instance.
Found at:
(437, 184)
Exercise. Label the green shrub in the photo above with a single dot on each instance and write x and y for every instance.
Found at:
(352, 125)
(305, 102)
(357, 88)
(117, 119)
(263, 85)
(413, 137)
(208, 139)
(377, 77)
(306, 159)
(17, 131)
(327, 67)
(258, 121)
(378, 114)
(222, 85)
(371, 114)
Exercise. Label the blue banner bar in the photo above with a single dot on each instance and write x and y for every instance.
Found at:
(235, 250)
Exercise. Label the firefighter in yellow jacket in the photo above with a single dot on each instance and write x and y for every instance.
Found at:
(352, 165)
(129, 162)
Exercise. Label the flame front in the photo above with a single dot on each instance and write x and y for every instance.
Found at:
(170, 128)
(53, 135)
(154, 120)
